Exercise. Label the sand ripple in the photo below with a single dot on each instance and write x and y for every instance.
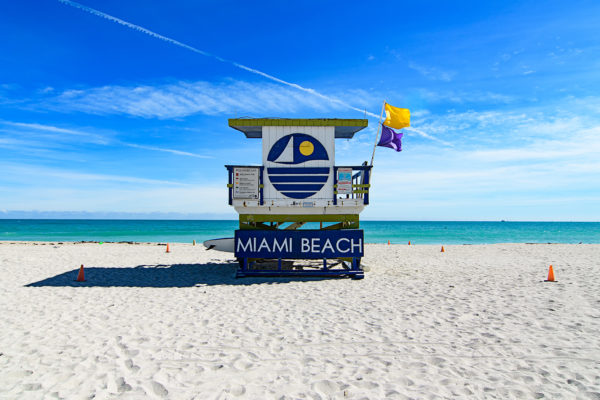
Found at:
(475, 321)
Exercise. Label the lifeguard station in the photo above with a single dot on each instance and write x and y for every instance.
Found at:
(298, 211)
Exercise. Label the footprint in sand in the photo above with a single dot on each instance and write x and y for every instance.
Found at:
(131, 366)
(159, 389)
(438, 361)
(237, 390)
(32, 386)
(242, 365)
(19, 374)
(326, 387)
(123, 386)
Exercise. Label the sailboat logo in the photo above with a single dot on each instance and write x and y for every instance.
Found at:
(297, 182)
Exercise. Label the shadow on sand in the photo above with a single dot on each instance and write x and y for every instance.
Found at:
(163, 276)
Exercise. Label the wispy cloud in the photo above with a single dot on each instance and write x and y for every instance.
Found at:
(92, 137)
(182, 99)
(432, 73)
(42, 173)
(503, 164)
(32, 148)
(584, 148)
(426, 135)
(42, 138)
(45, 188)
(138, 28)
(177, 152)
(7, 94)
(510, 126)
(465, 97)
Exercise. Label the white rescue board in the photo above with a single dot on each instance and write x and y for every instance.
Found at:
(223, 244)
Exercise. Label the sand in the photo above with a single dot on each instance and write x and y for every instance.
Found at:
(473, 322)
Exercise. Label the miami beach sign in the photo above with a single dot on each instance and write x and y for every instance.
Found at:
(299, 244)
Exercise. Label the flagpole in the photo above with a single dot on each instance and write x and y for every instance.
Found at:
(378, 128)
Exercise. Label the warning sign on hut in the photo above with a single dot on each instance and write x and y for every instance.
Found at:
(344, 180)
(245, 183)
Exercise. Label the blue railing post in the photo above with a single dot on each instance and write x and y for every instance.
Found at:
(261, 186)
(366, 182)
(230, 183)
(334, 183)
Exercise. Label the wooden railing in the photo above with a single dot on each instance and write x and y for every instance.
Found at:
(360, 183)
(357, 189)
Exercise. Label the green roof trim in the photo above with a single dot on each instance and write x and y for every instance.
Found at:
(344, 128)
(235, 122)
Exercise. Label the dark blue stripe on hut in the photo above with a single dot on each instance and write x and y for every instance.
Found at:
(308, 170)
(297, 195)
(311, 179)
(312, 188)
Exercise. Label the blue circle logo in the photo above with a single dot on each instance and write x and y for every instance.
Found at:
(297, 182)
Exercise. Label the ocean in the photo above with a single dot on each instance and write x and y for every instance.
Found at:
(182, 231)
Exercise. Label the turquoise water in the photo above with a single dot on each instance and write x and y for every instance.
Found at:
(426, 232)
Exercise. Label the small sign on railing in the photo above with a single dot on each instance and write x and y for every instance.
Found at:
(245, 183)
(344, 180)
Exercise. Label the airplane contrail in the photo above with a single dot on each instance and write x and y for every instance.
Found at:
(236, 64)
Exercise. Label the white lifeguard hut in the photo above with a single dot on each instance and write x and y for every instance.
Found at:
(298, 183)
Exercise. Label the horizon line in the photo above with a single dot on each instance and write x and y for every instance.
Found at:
(236, 220)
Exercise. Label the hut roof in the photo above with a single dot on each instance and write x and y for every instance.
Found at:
(344, 128)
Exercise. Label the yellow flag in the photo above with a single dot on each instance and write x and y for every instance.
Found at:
(396, 118)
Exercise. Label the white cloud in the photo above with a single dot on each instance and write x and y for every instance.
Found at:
(465, 97)
(539, 163)
(42, 188)
(236, 98)
(187, 98)
(177, 152)
(432, 73)
(505, 127)
(40, 174)
(313, 92)
(61, 132)
(202, 198)
(52, 138)
(543, 150)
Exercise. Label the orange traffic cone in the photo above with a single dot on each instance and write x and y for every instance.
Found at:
(80, 275)
(550, 275)
(442, 250)
(168, 251)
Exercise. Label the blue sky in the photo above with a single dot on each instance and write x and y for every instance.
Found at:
(98, 117)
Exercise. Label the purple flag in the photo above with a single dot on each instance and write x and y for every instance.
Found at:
(390, 139)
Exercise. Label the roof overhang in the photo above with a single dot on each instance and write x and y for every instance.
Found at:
(344, 128)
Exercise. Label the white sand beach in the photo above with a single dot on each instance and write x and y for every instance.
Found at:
(473, 322)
